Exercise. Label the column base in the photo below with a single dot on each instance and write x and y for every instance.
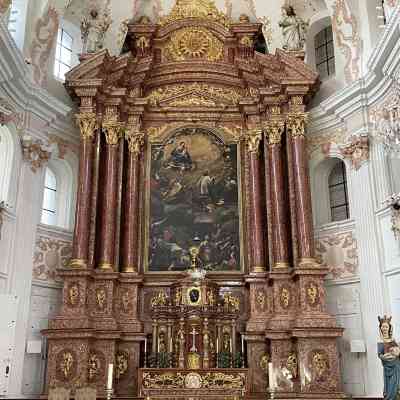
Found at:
(258, 269)
(308, 262)
(106, 266)
(130, 269)
(77, 263)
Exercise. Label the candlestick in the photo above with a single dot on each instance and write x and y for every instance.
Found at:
(110, 376)
(109, 393)
(271, 376)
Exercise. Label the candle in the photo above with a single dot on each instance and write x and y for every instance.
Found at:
(242, 344)
(271, 376)
(230, 345)
(145, 345)
(110, 376)
(217, 345)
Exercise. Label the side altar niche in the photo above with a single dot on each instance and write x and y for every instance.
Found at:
(192, 136)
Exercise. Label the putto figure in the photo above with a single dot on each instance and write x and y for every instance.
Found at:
(389, 352)
(294, 29)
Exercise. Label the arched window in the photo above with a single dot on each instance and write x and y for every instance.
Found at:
(49, 207)
(329, 190)
(324, 52)
(338, 195)
(63, 60)
(59, 192)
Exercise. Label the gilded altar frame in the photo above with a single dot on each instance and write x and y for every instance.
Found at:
(227, 138)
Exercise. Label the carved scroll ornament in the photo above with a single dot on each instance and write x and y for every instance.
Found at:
(87, 124)
(135, 142)
(253, 139)
(112, 127)
(35, 152)
(297, 124)
(275, 130)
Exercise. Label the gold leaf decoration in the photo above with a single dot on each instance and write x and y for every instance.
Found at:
(218, 94)
(194, 43)
(201, 9)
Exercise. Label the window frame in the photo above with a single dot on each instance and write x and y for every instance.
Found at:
(60, 46)
(325, 45)
(55, 191)
(344, 185)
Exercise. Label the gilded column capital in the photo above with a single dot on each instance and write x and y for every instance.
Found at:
(253, 139)
(274, 130)
(112, 129)
(88, 125)
(135, 141)
(296, 124)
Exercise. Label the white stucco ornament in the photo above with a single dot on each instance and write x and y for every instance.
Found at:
(394, 202)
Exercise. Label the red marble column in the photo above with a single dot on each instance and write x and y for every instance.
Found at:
(257, 245)
(274, 131)
(296, 126)
(111, 129)
(131, 203)
(87, 125)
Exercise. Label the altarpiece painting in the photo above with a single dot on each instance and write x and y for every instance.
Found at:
(194, 198)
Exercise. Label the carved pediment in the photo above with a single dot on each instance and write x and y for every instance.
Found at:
(92, 67)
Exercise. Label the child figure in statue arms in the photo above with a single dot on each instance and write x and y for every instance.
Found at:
(389, 353)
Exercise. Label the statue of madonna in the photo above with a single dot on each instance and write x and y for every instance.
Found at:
(389, 353)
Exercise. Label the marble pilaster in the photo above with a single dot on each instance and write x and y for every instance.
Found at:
(131, 202)
(257, 245)
(112, 131)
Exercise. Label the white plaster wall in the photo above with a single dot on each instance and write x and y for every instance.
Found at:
(45, 304)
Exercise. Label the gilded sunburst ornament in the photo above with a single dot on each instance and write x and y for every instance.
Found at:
(189, 43)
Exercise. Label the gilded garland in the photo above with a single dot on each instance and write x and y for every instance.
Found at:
(174, 92)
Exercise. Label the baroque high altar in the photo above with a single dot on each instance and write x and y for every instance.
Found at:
(193, 261)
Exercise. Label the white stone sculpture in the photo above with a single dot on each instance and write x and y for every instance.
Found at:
(294, 29)
(93, 30)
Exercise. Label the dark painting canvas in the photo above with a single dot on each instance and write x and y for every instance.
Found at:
(194, 201)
